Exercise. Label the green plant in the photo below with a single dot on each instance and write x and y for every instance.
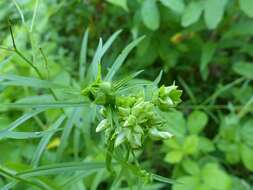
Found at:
(205, 46)
(128, 116)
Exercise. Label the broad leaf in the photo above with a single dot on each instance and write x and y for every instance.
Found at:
(150, 14)
(120, 3)
(192, 13)
(175, 5)
(206, 56)
(247, 7)
(197, 120)
(244, 68)
(214, 10)
(247, 157)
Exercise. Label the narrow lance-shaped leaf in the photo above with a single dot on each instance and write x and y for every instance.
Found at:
(93, 69)
(14, 80)
(83, 56)
(59, 168)
(28, 135)
(66, 132)
(121, 58)
(46, 105)
(20, 121)
(44, 141)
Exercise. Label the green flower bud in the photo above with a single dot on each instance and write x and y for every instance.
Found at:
(101, 98)
(136, 140)
(138, 129)
(102, 125)
(120, 138)
(106, 87)
(167, 97)
(156, 134)
(125, 101)
(100, 92)
(142, 107)
(131, 121)
(102, 111)
(124, 112)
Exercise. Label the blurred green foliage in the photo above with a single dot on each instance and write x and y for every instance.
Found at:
(205, 46)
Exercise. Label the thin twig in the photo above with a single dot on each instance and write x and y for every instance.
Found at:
(45, 61)
(21, 55)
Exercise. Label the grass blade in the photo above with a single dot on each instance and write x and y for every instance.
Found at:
(20, 121)
(60, 168)
(28, 135)
(109, 42)
(121, 58)
(46, 105)
(14, 80)
(34, 14)
(19, 11)
(44, 141)
(163, 179)
(93, 70)
(66, 132)
(83, 56)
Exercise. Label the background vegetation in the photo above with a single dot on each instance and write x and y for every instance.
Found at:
(205, 46)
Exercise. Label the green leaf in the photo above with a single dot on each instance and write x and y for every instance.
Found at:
(244, 68)
(191, 144)
(174, 156)
(150, 14)
(191, 167)
(247, 7)
(28, 135)
(247, 157)
(163, 179)
(59, 168)
(121, 58)
(93, 69)
(215, 177)
(175, 123)
(120, 3)
(213, 14)
(47, 105)
(247, 132)
(20, 121)
(44, 141)
(83, 55)
(197, 120)
(208, 51)
(187, 182)
(175, 5)
(66, 132)
(192, 13)
(110, 41)
(206, 145)
(14, 80)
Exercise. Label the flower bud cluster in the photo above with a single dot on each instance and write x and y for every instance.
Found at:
(167, 97)
(134, 118)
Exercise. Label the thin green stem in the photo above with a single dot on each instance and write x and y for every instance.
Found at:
(46, 62)
(188, 90)
(21, 55)
(224, 88)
